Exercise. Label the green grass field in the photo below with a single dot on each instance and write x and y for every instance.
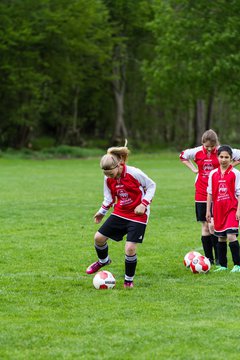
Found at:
(48, 306)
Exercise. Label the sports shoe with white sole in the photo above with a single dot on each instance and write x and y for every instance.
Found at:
(128, 284)
(94, 267)
(235, 269)
(221, 268)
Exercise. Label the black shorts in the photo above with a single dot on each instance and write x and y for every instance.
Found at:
(115, 228)
(201, 208)
(224, 233)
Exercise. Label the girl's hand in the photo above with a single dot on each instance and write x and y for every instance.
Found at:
(208, 216)
(236, 162)
(98, 217)
(140, 209)
(238, 215)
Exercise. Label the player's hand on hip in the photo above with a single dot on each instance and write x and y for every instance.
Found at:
(140, 209)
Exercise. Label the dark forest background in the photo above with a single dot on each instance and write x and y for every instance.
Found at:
(94, 72)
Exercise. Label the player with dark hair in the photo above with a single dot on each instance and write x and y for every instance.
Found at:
(130, 192)
(206, 159)
(224, 194)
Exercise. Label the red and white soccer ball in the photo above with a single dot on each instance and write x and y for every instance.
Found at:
(200, 265)
(104, 280)
(189, 256)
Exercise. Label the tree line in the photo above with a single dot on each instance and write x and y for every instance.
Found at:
(154, 71)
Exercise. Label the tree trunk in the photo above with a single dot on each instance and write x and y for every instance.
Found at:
(119, 80)
(75, 109)
(120, 127)
(199, 121)
(209, 111)
(73, 133)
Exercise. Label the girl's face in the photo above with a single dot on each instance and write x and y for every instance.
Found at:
(209, 146)
(224, 159)
(113, 173)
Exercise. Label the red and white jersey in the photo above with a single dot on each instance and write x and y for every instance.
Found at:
(224, 188)
(126, 193)
(206, 162)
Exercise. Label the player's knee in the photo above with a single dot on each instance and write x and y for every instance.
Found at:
(231, 237)
(130, 249)
(211, 229)
(99, 239)
(205, 229)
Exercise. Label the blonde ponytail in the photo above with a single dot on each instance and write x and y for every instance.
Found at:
(115, 155)
(121, 152)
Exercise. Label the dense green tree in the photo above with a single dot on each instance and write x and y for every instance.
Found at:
(52, 54)
(196, 60)
(130, 36)
(20, 87)
(151, 70)
(77, 62)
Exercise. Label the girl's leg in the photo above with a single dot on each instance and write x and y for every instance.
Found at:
(101, 248)
(207, 242)
(234, 247)
(222, 251)
(214, 240)
(130, 263)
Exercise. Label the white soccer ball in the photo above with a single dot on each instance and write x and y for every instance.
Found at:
(200, 264)
(104, 280)
(189, 256)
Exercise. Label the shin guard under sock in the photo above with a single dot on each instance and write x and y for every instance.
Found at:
(222, 253)
(207, 247)
(102, 253)
(130, 267)
(234, 247)
(214, 240)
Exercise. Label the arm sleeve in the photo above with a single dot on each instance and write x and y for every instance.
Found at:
(108, 199)
(209, 188)
(236, 154)
(189, 154)
(148, 185)
(237, 183)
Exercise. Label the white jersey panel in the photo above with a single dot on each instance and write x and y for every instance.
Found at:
(148, 185)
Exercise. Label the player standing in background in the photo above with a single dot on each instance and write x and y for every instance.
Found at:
(130, 192)
(224, 196)
(206, 159)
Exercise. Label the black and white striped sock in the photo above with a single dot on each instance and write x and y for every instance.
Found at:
(130, 267)
(102, 253)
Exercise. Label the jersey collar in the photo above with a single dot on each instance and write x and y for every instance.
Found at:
(123, 174)
(226, 171)
(213, 151)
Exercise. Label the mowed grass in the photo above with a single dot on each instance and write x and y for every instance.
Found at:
(48, 306)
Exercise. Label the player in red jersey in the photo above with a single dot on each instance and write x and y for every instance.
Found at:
(130, 192)
(206, 159)
(224, 194)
